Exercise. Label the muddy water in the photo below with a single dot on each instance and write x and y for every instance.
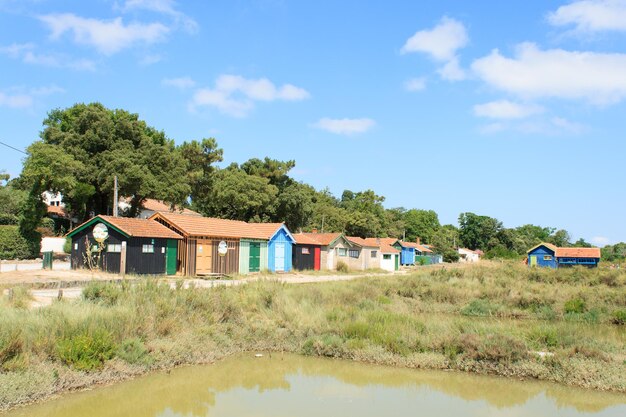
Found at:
(288, 385)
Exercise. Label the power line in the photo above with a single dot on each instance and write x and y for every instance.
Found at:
(15, 149)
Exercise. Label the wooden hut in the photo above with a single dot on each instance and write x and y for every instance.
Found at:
(208, 246)
(280, 243)
(550, 256)
(306, 253)
(149, 247)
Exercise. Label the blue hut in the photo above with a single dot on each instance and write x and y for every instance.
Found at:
(544, 255)
(407, 252)
(279, 247)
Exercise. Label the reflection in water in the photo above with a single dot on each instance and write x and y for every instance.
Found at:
(289, 385)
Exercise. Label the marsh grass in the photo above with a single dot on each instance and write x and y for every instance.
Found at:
(487, 319)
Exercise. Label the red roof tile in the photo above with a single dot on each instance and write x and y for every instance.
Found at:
(577, 253)
(56, 210)
(137, 227)
(306, 239)
(324, 239)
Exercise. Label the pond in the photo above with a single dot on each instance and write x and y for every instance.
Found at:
(290, 385)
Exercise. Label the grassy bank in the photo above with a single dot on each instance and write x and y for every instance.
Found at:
(486, 319)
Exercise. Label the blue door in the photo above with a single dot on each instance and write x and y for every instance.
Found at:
(280, 256)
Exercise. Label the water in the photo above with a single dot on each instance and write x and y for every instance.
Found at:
(290, 385)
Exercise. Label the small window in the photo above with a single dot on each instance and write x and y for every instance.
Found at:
(373, 253)
(306, 251)
(387, 257)
(342, 251)
(114, 247)
(354, 253)
(547, 258)
(147, 248)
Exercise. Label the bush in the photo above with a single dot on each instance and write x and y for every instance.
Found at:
(342, 267)
(492, 347)
(102, 292)
(480, 307)
(575, 305)
(134, 351)
(67, 246)
(86, 352)
(13, 245)
(619, 317)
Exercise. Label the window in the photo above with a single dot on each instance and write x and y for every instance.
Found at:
(547, 258)
(387, 257)
(147, 248)
(373, 253)
(342, 251)
(306, 251)
(354, 253)
(114, 247)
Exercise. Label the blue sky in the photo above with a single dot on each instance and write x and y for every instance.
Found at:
(509, 109)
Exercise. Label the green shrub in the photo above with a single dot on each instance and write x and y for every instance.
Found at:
(86, 352)
(11, 346)
(619, 317)
(575, 305)
(102, 292)
(13, 245)
(67, 246)
(342, 267)
(134, 351)
(480, 307)
(492, 348)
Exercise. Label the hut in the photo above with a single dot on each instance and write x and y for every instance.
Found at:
(208, 246)
(124, 245)
(334, 248)
(548, 255)
(279, 241)
(407, 251)
(306, 253)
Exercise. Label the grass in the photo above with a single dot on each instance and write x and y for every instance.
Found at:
(485, 319)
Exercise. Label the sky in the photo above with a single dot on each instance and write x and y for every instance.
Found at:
(514, 110)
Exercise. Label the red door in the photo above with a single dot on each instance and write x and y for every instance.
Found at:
(316, 259)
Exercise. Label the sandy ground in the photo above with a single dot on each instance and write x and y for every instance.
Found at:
(48, 285)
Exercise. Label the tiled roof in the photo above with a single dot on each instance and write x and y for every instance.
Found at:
(413, 245)
(212, 227)
(577, 253)
(132, 227)
(384, 248)
(550, 246)
(306, 239)
(162, 207)
(56, 210)
(423, 248)
(324, 239)
(370, 242)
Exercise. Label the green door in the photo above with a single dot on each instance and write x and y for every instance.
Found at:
(170, 257)
(255, 256)
(397, 262)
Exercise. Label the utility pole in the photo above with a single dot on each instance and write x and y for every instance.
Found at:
(115, 198)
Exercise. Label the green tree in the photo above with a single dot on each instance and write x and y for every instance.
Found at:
(272, 169)
(479, 232)
(396, 222)
(12, 202)
(295, 205)
(365, 213)
(200, 158)
(560, 238)
(95, 144)
(582, 243)
(421, 224)
(328, 215)
(445, 242)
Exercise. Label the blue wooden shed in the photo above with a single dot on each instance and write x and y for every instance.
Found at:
(279, 247)
(544, 255)
(407, 252)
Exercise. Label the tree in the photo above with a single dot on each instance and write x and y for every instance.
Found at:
(200, 158)
(396, 224)
(95, 144)
(421, 224)
(12, 205)
(445, 242)
(365, 213)
(560, 238)
(239, 196)
(295, 205)
(327, 214)
(582, 243)
(272, 169)
(478, 232)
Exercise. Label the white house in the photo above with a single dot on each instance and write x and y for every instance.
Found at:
(468, 255)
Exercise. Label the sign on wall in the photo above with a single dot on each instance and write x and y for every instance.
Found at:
(100, 232)
(222, 248)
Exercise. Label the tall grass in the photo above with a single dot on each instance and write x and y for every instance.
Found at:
(487, 319)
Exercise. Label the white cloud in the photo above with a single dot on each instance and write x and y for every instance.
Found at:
(107, 36)
(236, 96)
(452, 71)
(504, 109)
(415, 84)
(600, 241)
(555, 126)
(599, 78)
(26, 53)
(180, 82)
(591, 15)
(15, 101)
(345, 126)
(166, 7)
(441, 42)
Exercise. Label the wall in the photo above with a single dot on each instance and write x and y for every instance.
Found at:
(244, 255)
(388, 264)
(280, 237)
(302, 261)
(540, 252)
(52, 244)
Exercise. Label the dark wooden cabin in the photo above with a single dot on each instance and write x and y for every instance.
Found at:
(150, 247)
(306, 253)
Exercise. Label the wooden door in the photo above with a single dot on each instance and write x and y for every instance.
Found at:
(533, 260)
(204, 257)
(255, 257)
(397, 262)
(171, 257)
(316, 259)
(280, 256)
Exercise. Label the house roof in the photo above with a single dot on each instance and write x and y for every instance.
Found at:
(306, 239)
(550, 246)
(324, 239)
(56, 210)
(131, 227)
(369, 242)
(385, 248)
(213, 227)
(162, 207)
(577, 253)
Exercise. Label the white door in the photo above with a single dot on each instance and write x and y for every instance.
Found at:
(280, 256)
(331, 259)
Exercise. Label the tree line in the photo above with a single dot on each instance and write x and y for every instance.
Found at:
(83, 147)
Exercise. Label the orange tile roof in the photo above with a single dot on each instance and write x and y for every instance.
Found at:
(384, 248)
(56, 210)
(324, 239)
(160, 206)
(212, 227)
(306, 239)
(140, 227)
(577, 253)
(369, 242)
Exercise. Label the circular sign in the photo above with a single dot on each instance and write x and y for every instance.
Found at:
(100, 232)
(222, 248)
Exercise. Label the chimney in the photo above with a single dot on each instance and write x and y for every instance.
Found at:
(417, 240)
(314, 231)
